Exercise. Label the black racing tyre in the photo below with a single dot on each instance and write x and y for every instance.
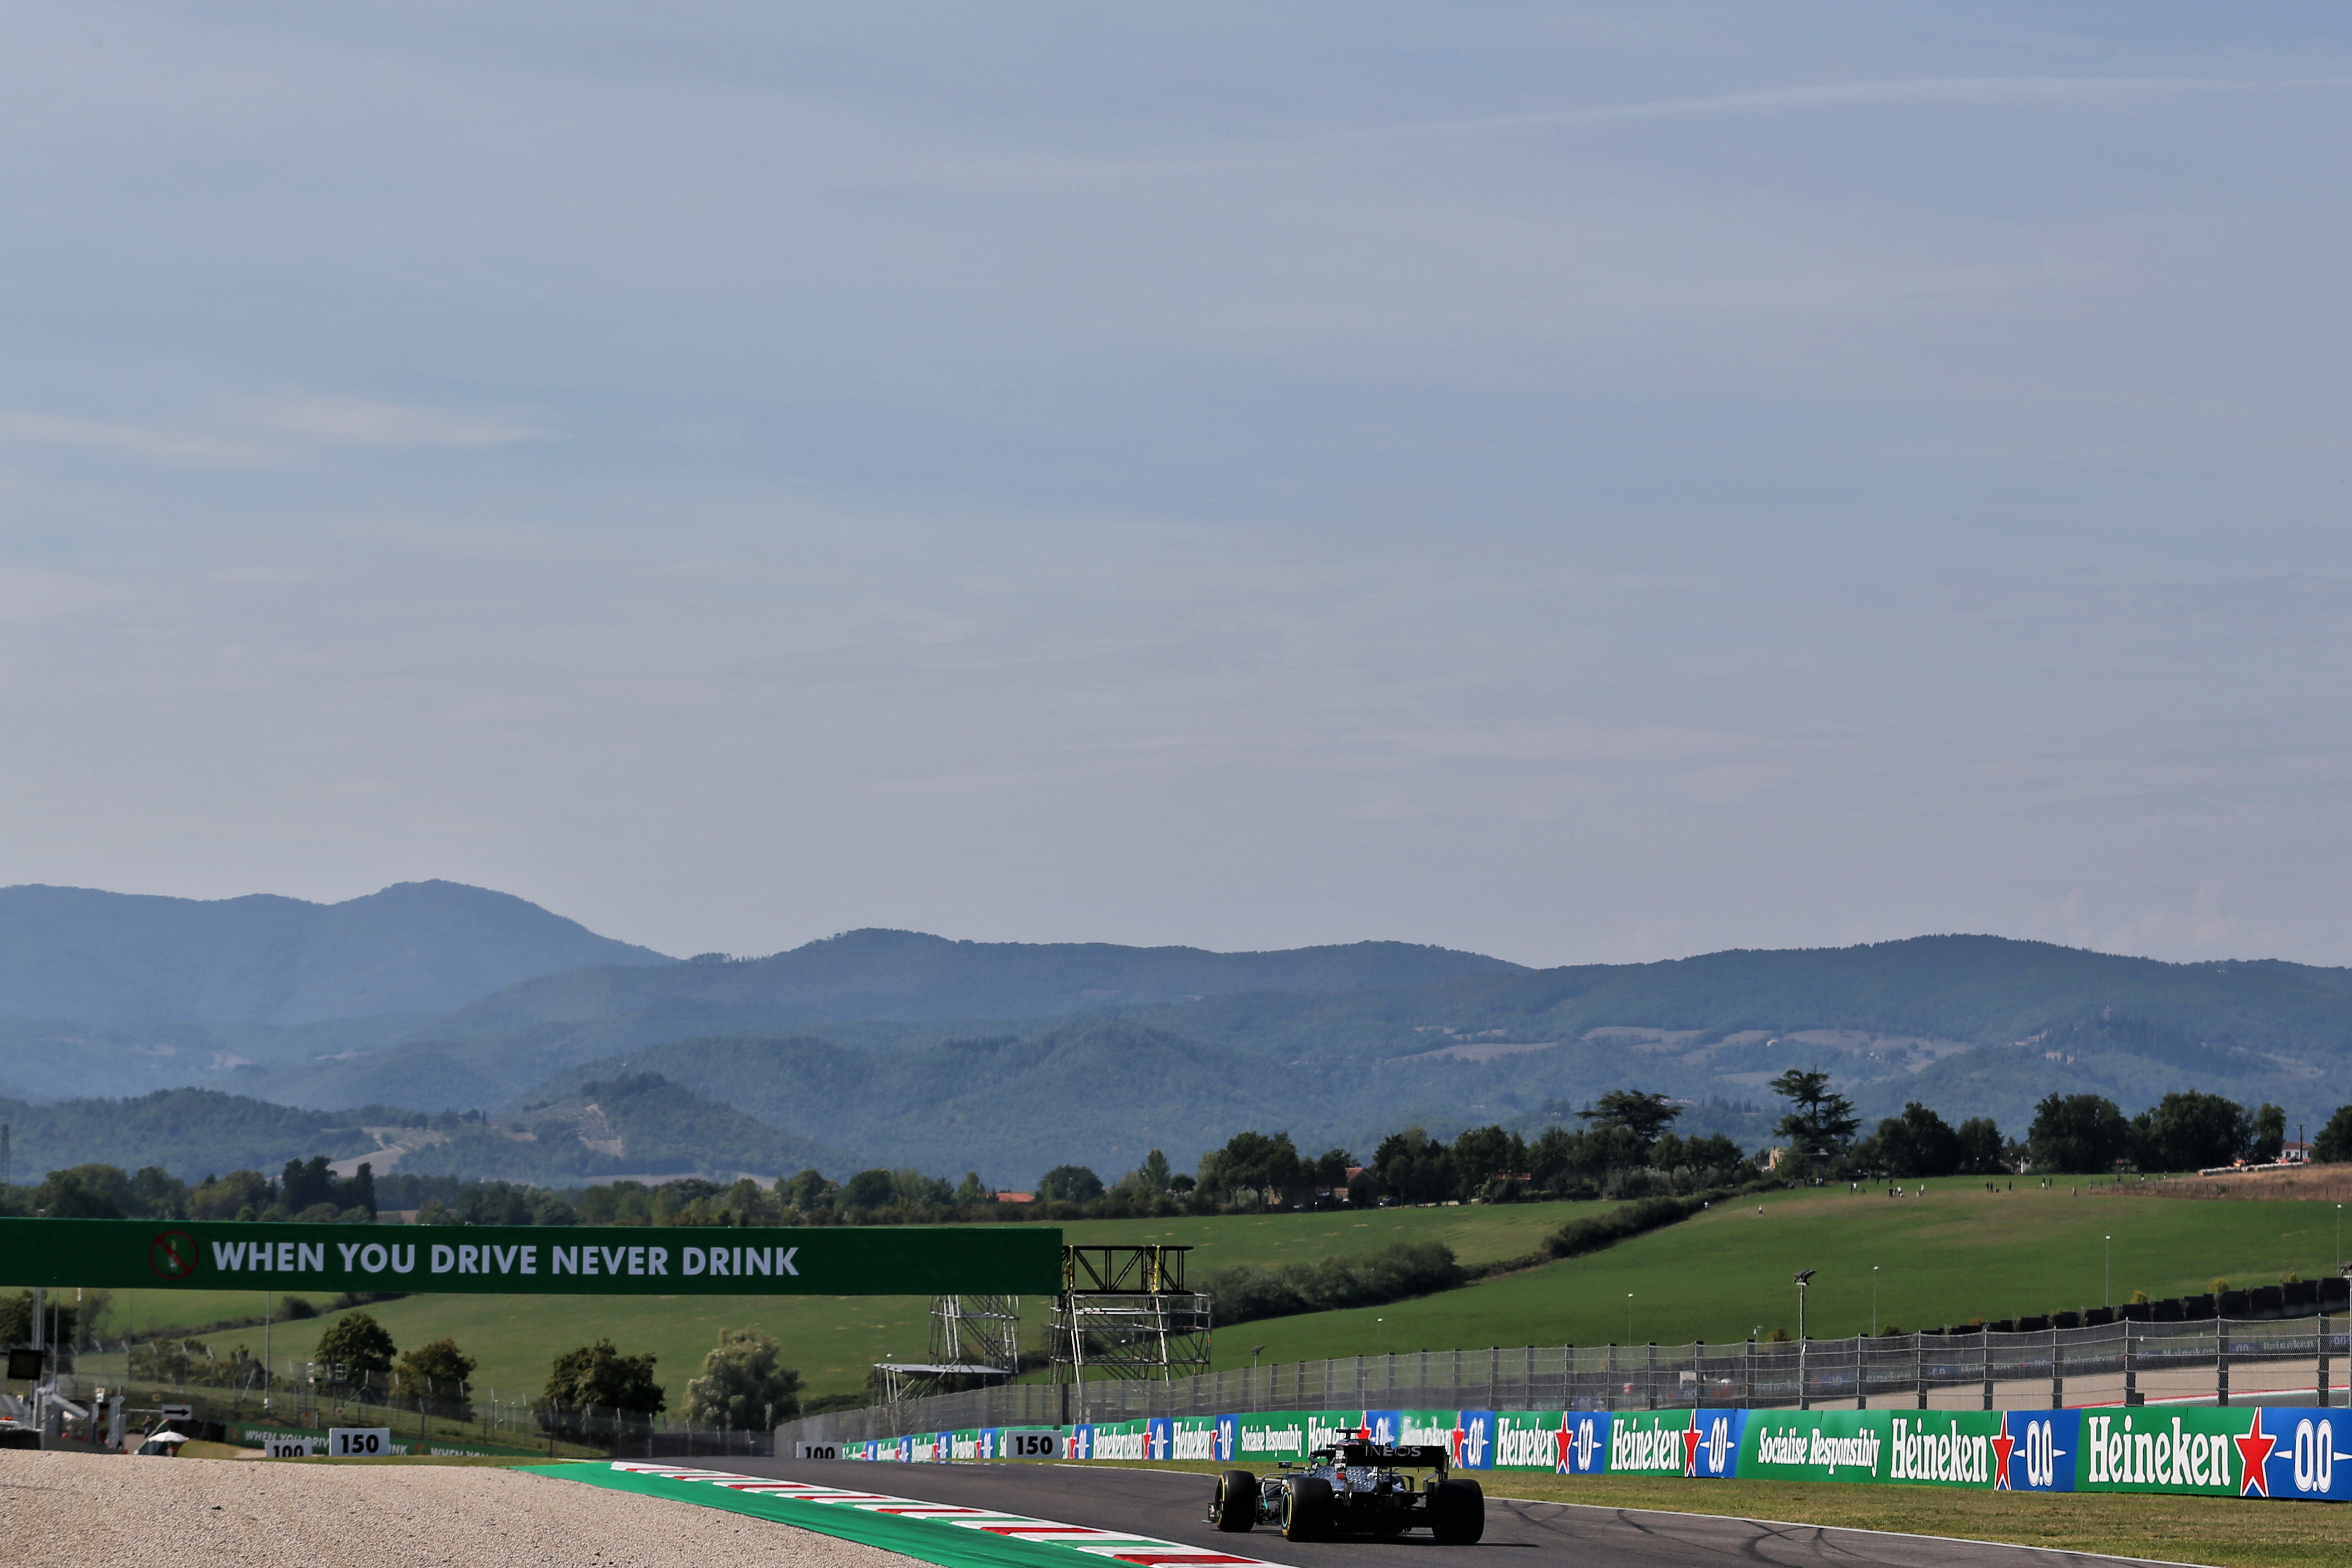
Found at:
(1235, 1509)
(1457, 1512)
(1307, 1509)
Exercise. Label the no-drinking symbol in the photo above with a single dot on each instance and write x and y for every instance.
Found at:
(172, 1255)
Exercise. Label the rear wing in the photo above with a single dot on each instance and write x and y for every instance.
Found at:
(1398, 1456)
(1415, 1456)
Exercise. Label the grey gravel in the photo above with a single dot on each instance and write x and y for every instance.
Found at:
(196, 1513)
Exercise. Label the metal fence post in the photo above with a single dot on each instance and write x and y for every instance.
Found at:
(2057, 1371)
(2131, 1369)
(1650, 1379)
(1919, 1369)
(1861, 1374)
(2220, 1362)
(1984, 1362)
(2321, 1347)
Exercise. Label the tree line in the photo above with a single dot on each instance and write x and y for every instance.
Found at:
(2071, 1135)
(743, 1384)
(305, 1189)
(1624, 1147)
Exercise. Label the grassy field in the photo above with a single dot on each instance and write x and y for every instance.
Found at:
(1959, 1252)
(834, 1339)
(1479, 1233)
(2224, 1531)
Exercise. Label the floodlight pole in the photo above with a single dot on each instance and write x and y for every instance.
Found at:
(1804, 1394)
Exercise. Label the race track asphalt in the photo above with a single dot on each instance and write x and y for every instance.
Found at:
(1170, 1506)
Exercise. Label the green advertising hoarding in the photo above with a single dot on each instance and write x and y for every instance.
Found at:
(610, 1260)
(1940, 1449)
(1193, 1437)
(1269, 1437)
(2196, 1450)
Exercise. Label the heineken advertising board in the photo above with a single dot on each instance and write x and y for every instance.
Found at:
(607, 1260)
(2267, 1453)
(2273, 1452)
(1991, 1450)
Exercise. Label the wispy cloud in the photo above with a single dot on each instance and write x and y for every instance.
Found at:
(156, 443)
(259, 432)
(363, 422)
(1986, 92)
(1925, 91)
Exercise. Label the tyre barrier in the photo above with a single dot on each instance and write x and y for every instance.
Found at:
(2259, 1451)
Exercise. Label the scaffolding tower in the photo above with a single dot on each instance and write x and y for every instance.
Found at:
(1125, 1314)
(972, 1337)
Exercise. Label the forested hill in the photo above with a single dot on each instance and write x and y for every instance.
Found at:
(909, 977)
(1003, 1055)
(1978, 990)
(418, 948)
(190, 1132)
(636, 1125)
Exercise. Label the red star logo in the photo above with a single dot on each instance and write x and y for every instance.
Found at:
(1690, 1446)
(2001, 1445)
(1563, 1444)
(2254, 1453)
(1454, 1444)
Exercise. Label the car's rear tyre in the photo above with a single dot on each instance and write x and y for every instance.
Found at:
(1307, 1509)
(1235, 1509)
(1457, 1512)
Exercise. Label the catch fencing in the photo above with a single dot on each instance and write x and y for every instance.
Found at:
(2121, 1363)
(232, 1403)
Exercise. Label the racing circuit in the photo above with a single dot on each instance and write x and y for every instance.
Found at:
(823, 1514)
(1171, 1506)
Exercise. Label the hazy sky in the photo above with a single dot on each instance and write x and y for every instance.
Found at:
(1580, 482)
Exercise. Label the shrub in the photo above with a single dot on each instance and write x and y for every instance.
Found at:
(1406, 1270)
(1582, 1236)
(742, 1387)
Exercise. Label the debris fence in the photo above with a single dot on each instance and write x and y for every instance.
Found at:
(2212, 1360)
(478, 1418)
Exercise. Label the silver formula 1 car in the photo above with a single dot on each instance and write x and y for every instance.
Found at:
(1355, 1487)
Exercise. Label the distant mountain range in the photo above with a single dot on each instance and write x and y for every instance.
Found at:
(907, 976)
(418, 948)
(898, 1048)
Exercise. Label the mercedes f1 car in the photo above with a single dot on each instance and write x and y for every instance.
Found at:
(1355, 1487)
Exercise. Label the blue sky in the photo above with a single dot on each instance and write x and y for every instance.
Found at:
(1583, 483)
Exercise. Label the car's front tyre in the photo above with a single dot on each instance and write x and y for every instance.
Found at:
(1235, 1509)
(1307, 1509)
